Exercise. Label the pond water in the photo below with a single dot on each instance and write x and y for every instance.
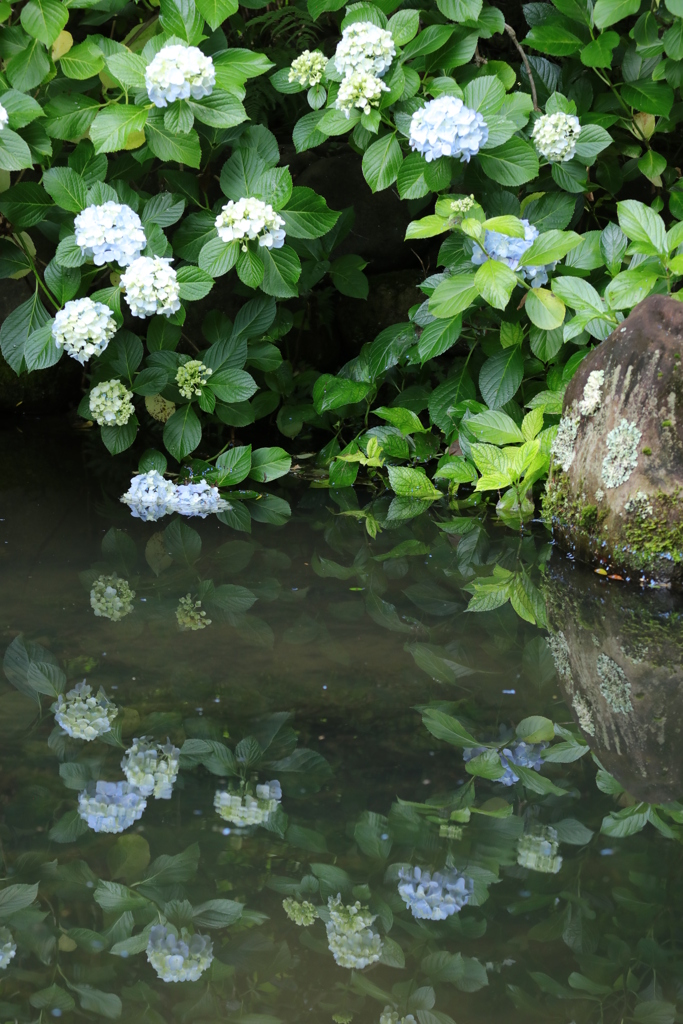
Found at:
(344, 677)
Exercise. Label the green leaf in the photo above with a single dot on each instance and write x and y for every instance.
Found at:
(24, 205)
(429, 40)
(69, 117)
(16, 897)
(127, 68)
(233, 466)
(412, 483)
(447, 728)
(641, 224)
(52, 998)
(544, 309)
(21, 109)
(182, 432)
(460, 10)
(269, 464)
(119, 439)
(44, 19)
(495, 283)
(14, 152)
(551, 246)
(306, 214)
(250, 267)
(28, 68)
(453, 296)
(40, 350)
(513, 163)
(333, 392)
(112, 127)
(306, 133)
(500, 376)
(648, 96)
(494, 427)
(128, 857)
(281, 271)
(194, 283)
(630, 287)
(182, 19)
(82, 61)
(67, 188)
(599, 53)
(68, 253)
(233, 385)
(215, 12)
(655, 1012)
(69, 828)
(12, 259)
(438, 337)
(404, 26)
(608, 12)
(217, 257)
(216, 914)
(106, 1004)
(184, 149)
(591, 142)
(485, 94)
(535, 730)
(381, 162)
(16, 329)
(555, 37)
(407, 421)
(219, 110)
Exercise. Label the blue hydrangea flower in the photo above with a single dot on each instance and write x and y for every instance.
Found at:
(527, 755)
(446, 127)
(434, 897)
(511, 251)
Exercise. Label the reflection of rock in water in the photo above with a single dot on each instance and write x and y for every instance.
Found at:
(619, 657)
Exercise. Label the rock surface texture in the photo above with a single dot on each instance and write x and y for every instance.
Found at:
(615, 494)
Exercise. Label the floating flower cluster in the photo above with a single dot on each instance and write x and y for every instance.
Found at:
(111, 597)
(8, 948)
(303, 914)
(434, 897)
(150, 285)
(189, 614)
(246, 809)
(82, 715)
(151, 768)
(622, 453)
(350, 937)
(614, 686)
(510, 251)
(110, 233)
(179, 73)
(526, 755)
(110, 806)
(364, 47)
(360, 89)
(191, 377)
(563, 442)
(250, 219)
(175, 957)
(83, 328)
(555, 136)
(389, 1016)
(537, 850)
(110, 404)
(308, 68)
(198, 499)
(150, 497)
(592, 393)
(4, 117)
(446, 127)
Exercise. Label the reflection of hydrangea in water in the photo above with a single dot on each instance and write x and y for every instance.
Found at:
(189, 614)
(622, 453)
(149, 496)
(151, 767)
(198, 500)
(251, 219)
(82, 715)
(110, 404)
(111, 597)
(446, 127)
(360, 89)
(350, 936)
(537, 850)
(303, 914)
(364, 47)
(151, 286)
(110, 233)
(4, 117)
(110, 806)
(510, 251)
(592, 393)
(307, 69)
(8, 948)
(176, 957)
(434, 897)
(389, 1016)
(247, 809)
(179, 73)
(555, 136)
(563, 443)
(192, 377)
(83, 328)
(526, 755)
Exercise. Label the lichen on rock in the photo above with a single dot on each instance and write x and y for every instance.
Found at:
(584, 713)
(592, 393)
(614, 685)
(563, 443)
(622, 453)
(640, 505)
(560, 652)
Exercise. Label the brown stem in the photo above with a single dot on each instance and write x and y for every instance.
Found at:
(511, 32)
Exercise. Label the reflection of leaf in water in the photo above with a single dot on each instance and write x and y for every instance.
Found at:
(235, 555)
(16, 714)
(433, 599)
(304, 631)
(128, 857)
(182, 542)
(384, 614)
(107, 1004)
(438, 662)
(52, 998)
(119, 550)
(156, 555)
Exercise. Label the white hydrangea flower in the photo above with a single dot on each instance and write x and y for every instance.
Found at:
(247, 809)
(189, 614)
(555, 136)
(110, 806)
(389, 1016)
(191, 377)
(110, 404)
(110, 233)
(111, 597)
(150, 285)
(537, 850)
(198, 499)
(350, 937)
(83, 328)
(592, 393)
(175, 957)
(4, 117)
(250, 219)
(8, 948)
(364, 47)
(307, 69)
(563, 443)
(179, 73)
(460, 207)
(446, 127)
(511, 251)
(151, 767)
(150, 496)
(303, 914)
(82, 715)
(434, 897)
(360, 89)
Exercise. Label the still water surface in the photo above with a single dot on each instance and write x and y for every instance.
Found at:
(346, 673)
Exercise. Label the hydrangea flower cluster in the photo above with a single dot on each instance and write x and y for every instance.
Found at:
(150, 496)
(563, 442)
(350, 937)
(511, 251)
(83, 328)
(360, 89)
(527, 755)
(308, 68)
(364, 47)
(198, 500)
(8, 948)
(110, 806)
(110, 404)
(434, 897)
(4, 117)
(459, 207)
(592, 393)
(555, 136)
(151, 768)
(82, 715)
(175, 957)
(189, 614)
(250, 219)
(537, 850)
(303, 914)
(247, 809)
(179, 72)
(389, 1016)
(110, 233)
(622, 453)
(150, 285)
(111, 597)
(192, 377)
(446, 127)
